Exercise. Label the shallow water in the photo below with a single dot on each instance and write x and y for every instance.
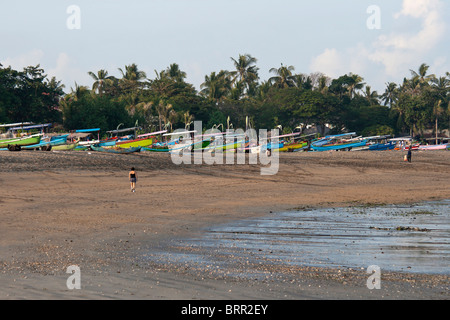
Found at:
(412, 238)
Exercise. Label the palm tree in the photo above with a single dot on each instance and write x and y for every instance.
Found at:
(131, 78)
(371, 96)
(132, 73)
(302, 81)
(174, 72)
(79, 91)
(188, 119)
(390, 94)
(421, 74)
(165, 113)
(56, 86)
(283, 77)
(441, 85)
(262, 90)
(101, 79)
(411, 86)
(216, 86)
(437, 111)
(323, 83)
(355, 84)
(246, 71)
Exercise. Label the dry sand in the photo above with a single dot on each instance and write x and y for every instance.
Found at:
(75, 208)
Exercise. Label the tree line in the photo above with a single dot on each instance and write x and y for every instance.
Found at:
(227, 98)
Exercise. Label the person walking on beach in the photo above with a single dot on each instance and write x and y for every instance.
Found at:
(409, 153)
(133, 179)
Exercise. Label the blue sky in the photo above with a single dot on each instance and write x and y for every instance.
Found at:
(328, 36)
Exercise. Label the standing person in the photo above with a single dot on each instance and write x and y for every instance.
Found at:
(133, 179)
(409, 153)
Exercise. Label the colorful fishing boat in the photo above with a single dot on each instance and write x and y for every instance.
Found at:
(434, 147)
(376, 143)
(390, 145)
(339, 146)
(65, 147)
(20, 142)
(47, 143)
(338, 142)
(117, 150)
(293, 146)
(139, 142)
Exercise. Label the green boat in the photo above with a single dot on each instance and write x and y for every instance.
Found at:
(15, 142)
(65, 147)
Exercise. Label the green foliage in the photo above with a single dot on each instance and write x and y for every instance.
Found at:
(29, 95)
(286, 99)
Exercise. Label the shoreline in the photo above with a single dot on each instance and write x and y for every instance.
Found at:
(76, 209)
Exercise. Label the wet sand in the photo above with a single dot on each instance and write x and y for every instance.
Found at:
(75, 208)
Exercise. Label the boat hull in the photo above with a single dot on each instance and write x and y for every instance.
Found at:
(20, 142)
(292, 147)
(65, 147)
(382, 146)
(435, 147)
(335, 147)
(116, 150)
(145, 142)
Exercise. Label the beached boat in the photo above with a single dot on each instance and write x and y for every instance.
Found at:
(65, 147)
(117, 150)
(382, 146)
(434, 146)
(376, 143)
(47, 143)
(339, 146)
(338, 142)
(406, 147)
(20, 142)
(156, 148)
(140, 142)
(108, 142)
(293, 146)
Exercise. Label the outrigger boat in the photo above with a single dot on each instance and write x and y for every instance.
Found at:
(376, 143)
(18, 143)
(404, 143)
(15, 143)
(338, 142)
(434, 147)
(115, 149)
(66, 147)
(47, 143)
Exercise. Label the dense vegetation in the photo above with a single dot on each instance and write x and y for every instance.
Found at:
(226, 98)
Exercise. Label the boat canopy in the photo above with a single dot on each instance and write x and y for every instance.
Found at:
(8, 125)
(36, 126)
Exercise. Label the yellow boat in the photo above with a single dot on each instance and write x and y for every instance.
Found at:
(143, 142)
(292, 146)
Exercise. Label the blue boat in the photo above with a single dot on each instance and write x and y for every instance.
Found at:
(338, 142)
(382, 146)
(339, 146)
(47, 144)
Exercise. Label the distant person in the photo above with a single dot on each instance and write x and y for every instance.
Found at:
(409, 153)
(133, 179)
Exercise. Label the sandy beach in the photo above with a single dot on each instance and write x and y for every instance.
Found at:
(60, 209)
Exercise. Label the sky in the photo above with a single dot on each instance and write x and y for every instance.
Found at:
(380, 40)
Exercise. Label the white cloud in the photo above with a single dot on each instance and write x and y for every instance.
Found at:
(398, 51)
(395, 52)
(329, 62)
(64, 69)
(67, 72)
(32, 58)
